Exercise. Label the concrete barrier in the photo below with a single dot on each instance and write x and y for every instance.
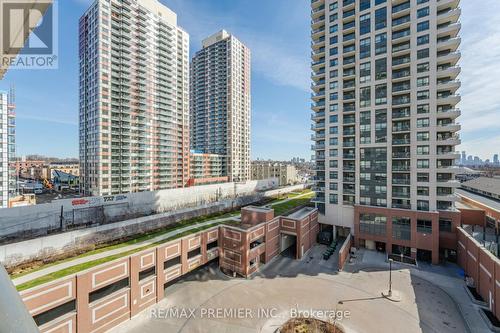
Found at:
(65, 214)
(80, 240)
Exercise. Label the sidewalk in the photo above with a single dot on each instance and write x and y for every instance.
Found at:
(64, 265)
(444, 277)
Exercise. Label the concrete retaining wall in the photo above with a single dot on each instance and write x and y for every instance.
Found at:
(83, 239)
(65, 214)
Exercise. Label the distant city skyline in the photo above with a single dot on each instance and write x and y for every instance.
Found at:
(47, 101)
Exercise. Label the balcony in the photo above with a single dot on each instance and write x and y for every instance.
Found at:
(452, 140)
(441, 4)
(318, 136)
(315, 65)
(448, 14)
(452, 99)
(315, 33)
(318, 75)
(448, 71)
(401, 128)
(446, 43)
(448, 58)
(318, 54)
(451, 85)
(401, 154)
(448, 127)
(451, 113)
(318, 126)
(317, 96)
(400, 168)
(448, 29)
(317, 43)
(318, 22)
(445, 196)
(401, 181)
(318, 115)
(318, 146)
(318, 106)
(401, 10)
(448, 155)
(401, 142)
(318, 11)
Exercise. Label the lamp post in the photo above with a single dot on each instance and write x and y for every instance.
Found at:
(390, 277)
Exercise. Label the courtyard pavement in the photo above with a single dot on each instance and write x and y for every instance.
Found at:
(285, 287)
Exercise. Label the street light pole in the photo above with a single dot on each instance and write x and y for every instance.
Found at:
(390, 277)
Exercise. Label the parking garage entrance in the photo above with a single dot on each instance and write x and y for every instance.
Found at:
(288, 245)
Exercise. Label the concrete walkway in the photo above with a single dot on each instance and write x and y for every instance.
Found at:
(66, 264)
(307, 284)
(445, 277)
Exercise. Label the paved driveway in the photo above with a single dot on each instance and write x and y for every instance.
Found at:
(263, 303)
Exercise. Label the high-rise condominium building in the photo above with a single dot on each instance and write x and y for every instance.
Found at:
(7, 148)
(384, 109)
(220, 103)
(134, 90)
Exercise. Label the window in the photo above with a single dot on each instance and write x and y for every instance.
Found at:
(381, 43)
(334, 141)
(334, 118)
(422, 95)
(334, 6)
(349, 48)
(364, 24)
(334, 152)
(424, 53)
(421, 40)
(422, 26)
(334, 17)
(334, 186)
(334, 130)
(380, 18)
(373, 224)
(421, 1)
(335, 51)
(423, 136)
(334, 164)
(423, 205)
(422, 150)
(424, 226)
(348, 37)
(334, 198)
(334, 108)
(108, 290)
(401, 228)
(422, 177)
(423, 191)
(381, 69)
(424, 67)
(147, 273)
(364, 4)
(334, 28)
(194, 253)
(334, 175)
(380, 94)
(364, 48)
(364, 96)
(423, 108)
(423, 164)
(334, 96)
(423, 12)
(334, 73)
(364, 72)
(423, 122)
(378, 2)
(445, 225)
(334, 85)
(334, 40)
(423, 81)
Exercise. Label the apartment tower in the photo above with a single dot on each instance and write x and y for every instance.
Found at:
(134, 91)
(220, 103)
(7, 148)
(384, 119)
